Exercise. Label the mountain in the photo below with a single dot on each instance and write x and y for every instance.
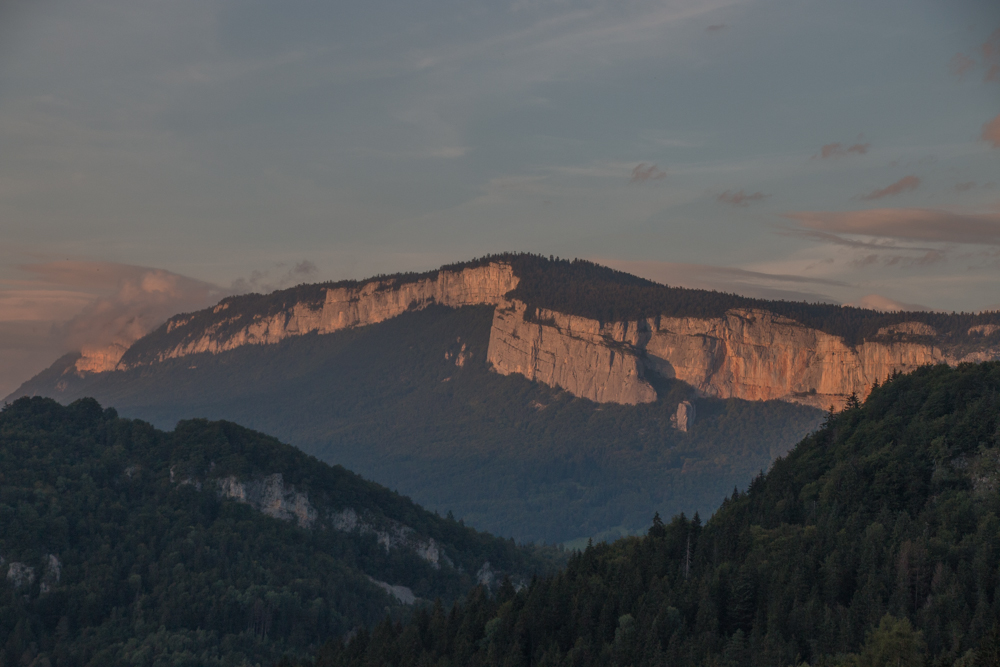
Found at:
(873, 543)
(533, 397)
(210, 544)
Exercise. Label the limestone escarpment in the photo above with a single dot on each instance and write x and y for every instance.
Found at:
(748, 354)
(583, 356)
(324, 310)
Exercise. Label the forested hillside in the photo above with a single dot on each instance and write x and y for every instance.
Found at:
(412, 404)
(876, 541)
(208, 545)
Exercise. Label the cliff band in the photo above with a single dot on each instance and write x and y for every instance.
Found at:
(748, 353)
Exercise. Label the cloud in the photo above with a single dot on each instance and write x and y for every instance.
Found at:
(837, 149)
(141, 301)
(991, 56)
(916, 224)
(991, 132)
(741, 198)
(65, 306)
(715, 27)
(646, 172)
(755, 284)
(963, 187)
(886, 305)
(960, 64)
(262, 281)
(905, 184)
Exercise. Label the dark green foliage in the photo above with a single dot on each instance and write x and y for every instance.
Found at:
(876, 541)
(503, 453)
(153, 563)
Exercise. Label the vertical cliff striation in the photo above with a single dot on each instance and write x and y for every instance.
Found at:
(599, 334)
(325, 310)
(583, 356)
(748, 354)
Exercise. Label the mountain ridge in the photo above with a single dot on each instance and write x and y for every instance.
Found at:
(598, 333)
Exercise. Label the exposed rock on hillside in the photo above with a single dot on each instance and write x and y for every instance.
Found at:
(748, 354)
(339, 308)
(582, 356)
(744, 353)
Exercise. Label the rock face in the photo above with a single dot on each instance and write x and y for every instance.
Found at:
(340, 308)
(683, 419)
(582, 356)
(748, 354)
(270, 496)
(100, 359)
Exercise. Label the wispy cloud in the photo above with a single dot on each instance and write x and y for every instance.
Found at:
(729, 279)
(646, 172)
(740, 198)
(885, 304)
(837, 149)
(966, 186)
(280, 276)
(905, 184)
(991, 132)
(960, 64)
(136, 299)
(915, 224)
(991, 56)
(716, 27)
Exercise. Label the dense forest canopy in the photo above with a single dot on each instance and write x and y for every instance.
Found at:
(875, 542)
(117, 547)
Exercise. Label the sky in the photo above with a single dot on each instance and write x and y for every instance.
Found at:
(156, 156)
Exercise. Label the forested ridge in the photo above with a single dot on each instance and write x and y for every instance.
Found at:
(876, 541)
(118, 548)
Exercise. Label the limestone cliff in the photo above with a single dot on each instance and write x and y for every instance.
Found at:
(577, 354)
(336, 308)
(739, 352)
(748, 354)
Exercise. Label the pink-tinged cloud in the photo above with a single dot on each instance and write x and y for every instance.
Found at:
(885, 304)
(960, 64)
(646, 172)
(905, 184)
(741, 198)
(837, 149)
(991, 132)
(915, 224)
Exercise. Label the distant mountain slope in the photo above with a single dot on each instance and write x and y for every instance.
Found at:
(873, 543)
(597, 333)
(411, 402)
(210, 544)
(419, 381)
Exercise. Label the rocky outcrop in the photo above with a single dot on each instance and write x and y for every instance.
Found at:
(270, 496)
(100, 359)
(583, 356)
(748, 354)
(757, 355)
(340, 308)
(683, 419)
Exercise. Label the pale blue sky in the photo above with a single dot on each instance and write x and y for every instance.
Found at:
(681, 140)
